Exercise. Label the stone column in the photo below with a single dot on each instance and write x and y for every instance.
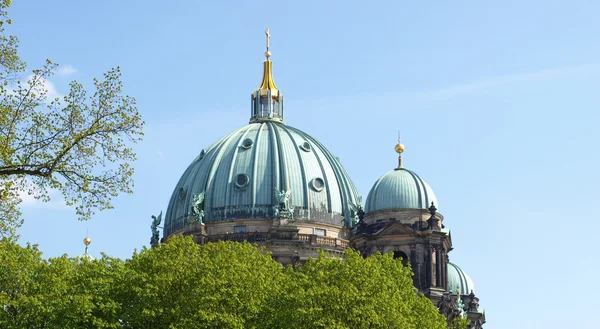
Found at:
(445, 270)
(429, 267)
(438, 265)
(413, 265)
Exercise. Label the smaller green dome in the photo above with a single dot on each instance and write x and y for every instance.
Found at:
(458, 278)
(400, 189)
(86, 256)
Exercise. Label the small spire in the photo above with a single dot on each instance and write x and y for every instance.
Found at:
(399, 148)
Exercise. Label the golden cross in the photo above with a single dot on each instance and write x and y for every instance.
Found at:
(268, 37)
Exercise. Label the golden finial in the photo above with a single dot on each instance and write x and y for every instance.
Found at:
(399, 148)
(86, 242)
(267, 82)
(268, 35)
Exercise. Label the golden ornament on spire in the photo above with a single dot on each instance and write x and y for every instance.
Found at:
(87, 241)
(399, 148)
(268, 83)
(268, 35)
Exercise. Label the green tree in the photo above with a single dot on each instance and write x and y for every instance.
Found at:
(218, 285)
(184, 285)
(460, 323)
(56, 293)
(78, 144)
(353, 292)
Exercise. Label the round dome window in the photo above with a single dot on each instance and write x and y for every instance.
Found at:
(317, 184)
(241, 180)
(305, 147)
(247, 143)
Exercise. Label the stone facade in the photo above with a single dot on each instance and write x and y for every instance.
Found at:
(421, 240)
(290, 242)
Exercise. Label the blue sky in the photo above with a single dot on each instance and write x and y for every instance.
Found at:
(497, 104)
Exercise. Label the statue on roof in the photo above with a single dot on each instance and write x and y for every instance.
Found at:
(283, 199)
(460, 305)
(356, 212)
(282, 208)
(154, 227)
(448, 307)
(198, 208)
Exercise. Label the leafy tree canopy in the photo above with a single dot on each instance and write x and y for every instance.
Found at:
(77, 144)
(218, 285)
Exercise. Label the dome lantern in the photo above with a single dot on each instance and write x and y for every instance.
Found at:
(267, 100)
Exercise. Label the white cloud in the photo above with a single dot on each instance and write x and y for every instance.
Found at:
(66, 70)
(27, 192)
(29, 201)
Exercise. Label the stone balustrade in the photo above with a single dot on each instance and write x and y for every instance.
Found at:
(260, 237)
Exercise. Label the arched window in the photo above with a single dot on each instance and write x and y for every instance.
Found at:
(400, 254)
(275, 106)
(264, 106)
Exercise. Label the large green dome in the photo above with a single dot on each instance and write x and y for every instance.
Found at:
(240, 175)
(400, 189)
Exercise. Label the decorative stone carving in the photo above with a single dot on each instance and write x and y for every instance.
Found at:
(473, 304)
(448, 307)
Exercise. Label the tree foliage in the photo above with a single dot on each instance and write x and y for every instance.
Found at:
(184, 285)
(219, 285)
(56, 293)
(77, 144)
(353, 292)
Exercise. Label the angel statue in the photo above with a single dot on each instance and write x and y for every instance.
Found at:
(198, 207)
(356, 211)
(283, 199)
(460, 305)
(154, 227)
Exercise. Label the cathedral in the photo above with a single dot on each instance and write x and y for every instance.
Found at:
(272, 184)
